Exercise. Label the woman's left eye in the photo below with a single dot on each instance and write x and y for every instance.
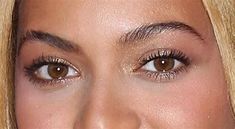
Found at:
(162, 65)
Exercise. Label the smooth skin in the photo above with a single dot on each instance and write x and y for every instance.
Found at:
(108, 93)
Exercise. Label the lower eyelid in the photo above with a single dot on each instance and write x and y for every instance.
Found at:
(160, 76)
(52, 83)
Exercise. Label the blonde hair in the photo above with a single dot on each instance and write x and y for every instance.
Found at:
(222, 15)
(222, 18)
(7, 120)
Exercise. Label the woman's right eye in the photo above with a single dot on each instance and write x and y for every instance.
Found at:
(56, 71)
(51, 70)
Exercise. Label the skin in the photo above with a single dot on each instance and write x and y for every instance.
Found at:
(109, 94)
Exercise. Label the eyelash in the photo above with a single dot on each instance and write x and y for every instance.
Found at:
(167, 54)
(46, 60)
(148, 57)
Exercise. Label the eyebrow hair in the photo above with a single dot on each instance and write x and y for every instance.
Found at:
(146, 31)
(50, 39)
(140, 33)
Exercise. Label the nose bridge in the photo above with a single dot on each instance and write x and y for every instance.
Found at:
(105, 110)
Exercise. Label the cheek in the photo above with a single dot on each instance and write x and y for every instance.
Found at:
(42, 109)
(199, 99)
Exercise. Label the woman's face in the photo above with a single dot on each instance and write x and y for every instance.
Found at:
(116, 64)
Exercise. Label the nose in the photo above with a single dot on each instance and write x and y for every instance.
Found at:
(105, 110)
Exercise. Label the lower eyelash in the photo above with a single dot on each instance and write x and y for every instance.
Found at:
(165, 76)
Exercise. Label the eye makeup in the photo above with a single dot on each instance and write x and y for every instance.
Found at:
(162, 65)
(51, 70)
(159, 65)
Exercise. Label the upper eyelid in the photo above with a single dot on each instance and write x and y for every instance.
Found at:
(150, 55)
(50, 59)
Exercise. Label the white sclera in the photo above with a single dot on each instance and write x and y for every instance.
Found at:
(150, 66)
(42, 72)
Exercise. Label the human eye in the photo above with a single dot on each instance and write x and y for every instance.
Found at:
(49, 70)
(163, 64)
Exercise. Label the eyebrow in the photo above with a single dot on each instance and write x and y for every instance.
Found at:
(147, 31)
(140, 33)
(47, 38)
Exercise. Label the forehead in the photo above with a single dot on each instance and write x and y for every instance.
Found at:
(108, 16)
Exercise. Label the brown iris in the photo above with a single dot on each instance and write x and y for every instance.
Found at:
(164, 64)
(57, 71)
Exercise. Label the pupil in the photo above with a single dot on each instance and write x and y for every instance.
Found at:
(57, 71)
(164, 64)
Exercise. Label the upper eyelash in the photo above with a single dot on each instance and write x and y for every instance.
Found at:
(162, 53)
(165, 53)
(44, 60)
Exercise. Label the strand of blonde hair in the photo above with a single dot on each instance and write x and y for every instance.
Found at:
(6, 67)
(222, 15)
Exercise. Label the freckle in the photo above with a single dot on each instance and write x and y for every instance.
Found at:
(208, 117)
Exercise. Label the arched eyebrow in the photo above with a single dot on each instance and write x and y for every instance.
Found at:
(49, 39)
(140, 33)
(148, 31)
